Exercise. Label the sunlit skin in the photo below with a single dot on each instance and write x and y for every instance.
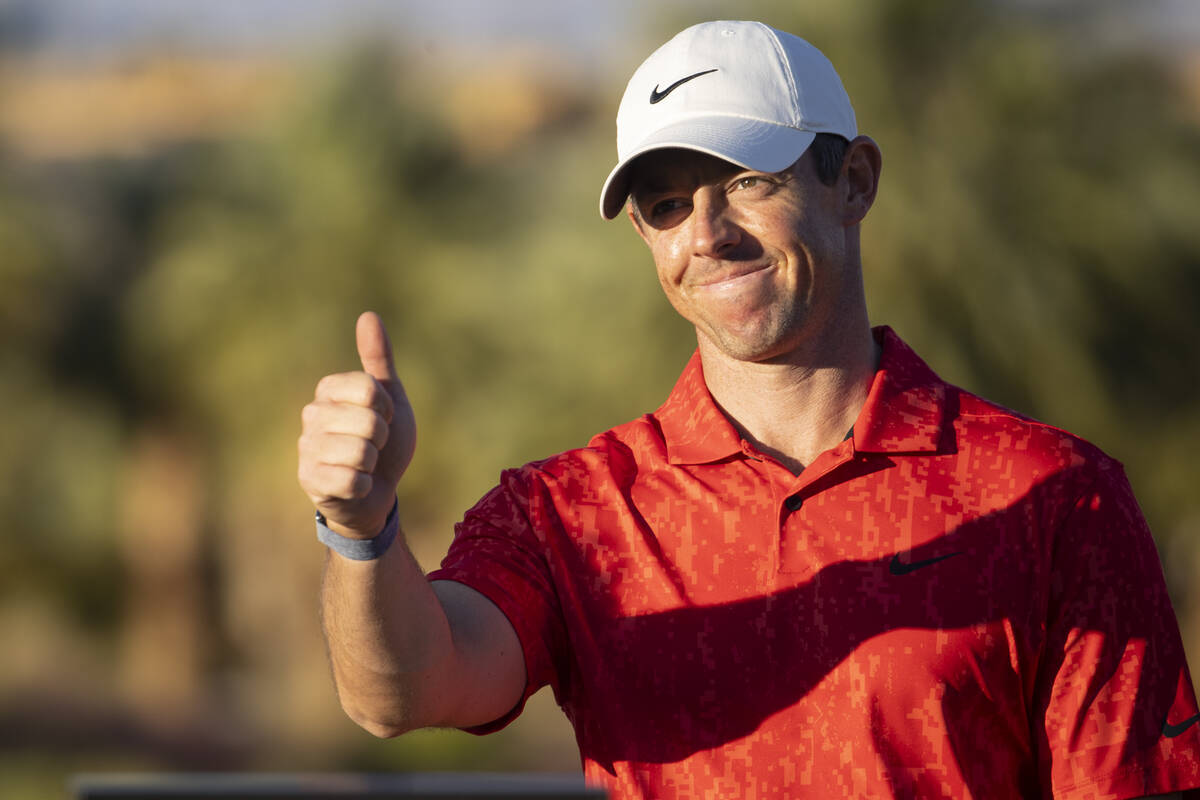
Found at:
(736, 249)
(766, 266)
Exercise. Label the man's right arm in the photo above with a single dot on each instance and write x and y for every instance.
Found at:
(405, 653)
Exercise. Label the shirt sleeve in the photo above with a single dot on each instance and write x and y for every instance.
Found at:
(499, 550)
(1119, 714)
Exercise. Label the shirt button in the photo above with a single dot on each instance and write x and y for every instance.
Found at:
(793, 502)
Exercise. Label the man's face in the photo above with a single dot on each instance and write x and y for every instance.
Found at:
(756, 261)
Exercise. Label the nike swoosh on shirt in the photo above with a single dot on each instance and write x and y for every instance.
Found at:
(1171, 731)
(656, 95)
(898, 567)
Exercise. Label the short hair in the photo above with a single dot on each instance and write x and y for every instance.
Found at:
(829, 150)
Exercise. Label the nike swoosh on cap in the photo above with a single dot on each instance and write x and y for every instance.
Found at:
(898, 567)
(1171, 731)
(656, 95)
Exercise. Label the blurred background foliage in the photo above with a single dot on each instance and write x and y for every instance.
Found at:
(186, 240)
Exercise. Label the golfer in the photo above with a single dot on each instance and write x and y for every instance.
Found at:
(817, 570)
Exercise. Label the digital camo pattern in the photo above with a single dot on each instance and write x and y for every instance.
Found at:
(956, 602)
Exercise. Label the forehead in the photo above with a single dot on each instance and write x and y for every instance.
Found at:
(670, 168)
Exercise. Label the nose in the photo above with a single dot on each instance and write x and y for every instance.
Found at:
(713, 232)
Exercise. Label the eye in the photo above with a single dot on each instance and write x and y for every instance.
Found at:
(663, 207)
(752, 185)
(663, 212)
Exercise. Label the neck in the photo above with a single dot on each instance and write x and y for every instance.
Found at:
(795, 408)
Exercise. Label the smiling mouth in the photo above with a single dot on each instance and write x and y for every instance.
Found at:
(730, 280)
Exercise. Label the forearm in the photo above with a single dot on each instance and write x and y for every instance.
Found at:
(389, 640)
(405, 654)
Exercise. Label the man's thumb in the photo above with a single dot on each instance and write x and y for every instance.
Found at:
(374, 347)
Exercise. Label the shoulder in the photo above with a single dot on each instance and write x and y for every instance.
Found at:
(614, 456)
(999, 441)
(569, 489)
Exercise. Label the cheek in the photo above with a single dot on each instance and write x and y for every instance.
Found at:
(671, 288)
(680, 304)
(671, 279)
(668, 262)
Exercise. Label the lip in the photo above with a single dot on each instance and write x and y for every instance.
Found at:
(731, 279)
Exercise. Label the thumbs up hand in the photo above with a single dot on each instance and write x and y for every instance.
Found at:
(357, 438)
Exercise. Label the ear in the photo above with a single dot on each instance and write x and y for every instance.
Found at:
(860, 178)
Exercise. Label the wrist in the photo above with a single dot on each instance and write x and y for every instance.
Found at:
(358, 549)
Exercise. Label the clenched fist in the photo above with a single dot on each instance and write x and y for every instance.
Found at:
(357, 438)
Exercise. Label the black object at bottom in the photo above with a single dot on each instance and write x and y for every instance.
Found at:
(332, 786)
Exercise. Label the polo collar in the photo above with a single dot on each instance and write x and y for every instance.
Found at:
(695, 429)
(905, 411)
(907, 406)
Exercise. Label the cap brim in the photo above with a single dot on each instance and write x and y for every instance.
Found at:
(749, 143)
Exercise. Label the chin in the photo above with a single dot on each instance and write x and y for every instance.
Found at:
(744, 350)
(757, 345)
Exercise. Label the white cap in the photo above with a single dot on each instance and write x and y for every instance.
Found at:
(740, 91)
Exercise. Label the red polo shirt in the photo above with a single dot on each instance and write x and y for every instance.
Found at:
(956, 602)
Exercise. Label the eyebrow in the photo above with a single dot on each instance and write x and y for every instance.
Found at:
(650, 184)
(661, 184)
(642, 190)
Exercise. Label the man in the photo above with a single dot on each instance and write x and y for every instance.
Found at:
(817, 570)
